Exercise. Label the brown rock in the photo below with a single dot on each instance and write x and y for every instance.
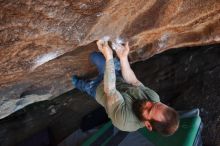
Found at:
(40, 41)
(184, 78)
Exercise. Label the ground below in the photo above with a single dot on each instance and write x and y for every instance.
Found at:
(184, 78)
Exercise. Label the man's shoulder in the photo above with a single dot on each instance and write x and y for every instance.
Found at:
(124, 119)
(151, 94)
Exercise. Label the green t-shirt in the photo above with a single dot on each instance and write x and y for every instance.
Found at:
(120, 109)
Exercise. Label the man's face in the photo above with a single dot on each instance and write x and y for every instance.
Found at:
(152, 111)
(160, 114)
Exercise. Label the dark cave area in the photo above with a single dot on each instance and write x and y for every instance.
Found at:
(184, 78)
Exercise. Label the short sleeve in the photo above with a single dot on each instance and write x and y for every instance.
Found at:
(150, 93)
(109, 103)
(113, 101)
(117, 112)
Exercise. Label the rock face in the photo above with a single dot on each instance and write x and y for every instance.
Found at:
(42, 42)
(186, 78)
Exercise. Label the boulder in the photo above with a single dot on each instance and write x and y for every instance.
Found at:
(44, 42)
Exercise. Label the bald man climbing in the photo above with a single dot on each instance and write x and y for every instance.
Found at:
(129, 104)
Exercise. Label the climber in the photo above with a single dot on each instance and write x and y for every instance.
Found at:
(129, 104)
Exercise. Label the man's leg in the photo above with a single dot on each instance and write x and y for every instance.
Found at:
(90, 86)
(87, 86)
(99, 61)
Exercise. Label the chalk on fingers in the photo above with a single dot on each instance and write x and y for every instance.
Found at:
(105, 38)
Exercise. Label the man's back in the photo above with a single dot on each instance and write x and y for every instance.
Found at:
(121, 112)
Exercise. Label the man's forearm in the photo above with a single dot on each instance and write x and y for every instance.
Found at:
(114, 98)
(128, 73)
(109, 77)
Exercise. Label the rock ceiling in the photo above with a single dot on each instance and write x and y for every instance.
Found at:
(43, 42)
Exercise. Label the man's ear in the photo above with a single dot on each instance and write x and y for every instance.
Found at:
(148, 125)
(148, 104)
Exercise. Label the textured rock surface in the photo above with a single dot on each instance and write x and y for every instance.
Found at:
(187, 78)
(36, 36)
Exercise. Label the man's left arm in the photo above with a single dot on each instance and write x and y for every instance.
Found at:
(128, 74)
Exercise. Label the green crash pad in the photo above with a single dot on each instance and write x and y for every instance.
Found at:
(185, 136)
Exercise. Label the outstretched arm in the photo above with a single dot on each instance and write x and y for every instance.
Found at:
(109, 75)
(114, 98)
(127, 72)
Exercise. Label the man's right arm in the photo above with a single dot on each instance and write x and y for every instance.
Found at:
(114, 98)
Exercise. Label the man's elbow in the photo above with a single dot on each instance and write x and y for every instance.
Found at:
(134, 82)
(109, 92)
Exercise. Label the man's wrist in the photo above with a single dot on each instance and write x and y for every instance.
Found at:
(124, 58)
(107, 58)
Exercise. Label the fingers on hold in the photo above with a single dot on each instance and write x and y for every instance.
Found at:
(126, 44)
(105, 43)
(100, 44)
(117, 46)
(98, 41)
(114, 46)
